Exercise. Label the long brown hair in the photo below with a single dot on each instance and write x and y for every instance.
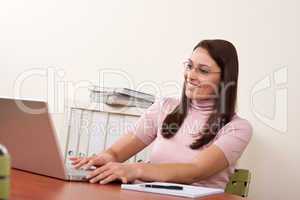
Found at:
(225, 55)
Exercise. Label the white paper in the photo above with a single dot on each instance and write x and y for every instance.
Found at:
(188, 190)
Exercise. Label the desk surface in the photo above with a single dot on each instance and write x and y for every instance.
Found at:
(30, 186)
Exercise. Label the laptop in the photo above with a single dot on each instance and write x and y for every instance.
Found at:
(27, 131)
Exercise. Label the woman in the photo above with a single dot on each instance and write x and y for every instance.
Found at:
(196, 139)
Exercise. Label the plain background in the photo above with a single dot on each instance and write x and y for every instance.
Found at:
(147, 40)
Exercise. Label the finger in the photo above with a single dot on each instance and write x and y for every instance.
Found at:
(98, 171)
(74, 158)
(75, 162)
(95, 161)
(109, 179)
(89, 164)
(101, 176)
(78, 163)
(82, 162)
(124, 180)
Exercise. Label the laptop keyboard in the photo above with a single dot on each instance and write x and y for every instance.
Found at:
(77, 174)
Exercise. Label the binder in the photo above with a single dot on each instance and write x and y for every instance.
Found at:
(73, 133)
(129, 123)
(97, 133)
(92, 131)
(114, 129)
(121, 97)
(123, 91)
(83, 135)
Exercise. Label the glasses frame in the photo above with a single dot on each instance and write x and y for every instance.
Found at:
(197, 68)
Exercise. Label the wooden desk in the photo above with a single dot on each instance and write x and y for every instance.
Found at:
(30, 186)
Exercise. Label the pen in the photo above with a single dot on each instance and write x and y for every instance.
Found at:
(170, 187)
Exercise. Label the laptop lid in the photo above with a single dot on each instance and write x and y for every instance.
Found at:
(27, 131)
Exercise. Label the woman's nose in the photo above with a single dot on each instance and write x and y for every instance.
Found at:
(192, 74)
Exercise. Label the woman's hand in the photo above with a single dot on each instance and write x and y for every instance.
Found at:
(115, 171)
(87, 162)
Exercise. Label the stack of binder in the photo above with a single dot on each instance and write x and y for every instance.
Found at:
(121, 97)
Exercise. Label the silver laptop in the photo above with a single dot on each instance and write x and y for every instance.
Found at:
(27, 131)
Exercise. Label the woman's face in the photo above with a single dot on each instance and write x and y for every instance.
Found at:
(202, 75)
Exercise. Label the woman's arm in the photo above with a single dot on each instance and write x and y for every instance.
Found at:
(125, 147)
(224, 151)
(208, 162)
(143, 133)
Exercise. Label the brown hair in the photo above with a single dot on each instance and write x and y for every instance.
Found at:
(225, 55)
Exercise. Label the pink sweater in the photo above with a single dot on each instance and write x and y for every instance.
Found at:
(232, 139)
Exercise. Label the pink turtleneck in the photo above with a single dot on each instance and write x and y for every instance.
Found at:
(232, 139)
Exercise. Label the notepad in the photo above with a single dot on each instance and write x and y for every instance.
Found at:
(188, 190)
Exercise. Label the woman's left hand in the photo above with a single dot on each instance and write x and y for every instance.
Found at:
(111, 171)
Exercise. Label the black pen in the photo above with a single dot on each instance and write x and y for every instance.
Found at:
(170, 187)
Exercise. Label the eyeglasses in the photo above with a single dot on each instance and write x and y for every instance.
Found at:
(201, 70)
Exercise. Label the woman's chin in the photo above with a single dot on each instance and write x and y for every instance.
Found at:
(192, 95)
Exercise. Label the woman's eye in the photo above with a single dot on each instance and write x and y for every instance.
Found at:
(189, 66)
(203, 71)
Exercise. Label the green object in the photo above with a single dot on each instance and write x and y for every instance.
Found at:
(4, 173)
(239, 183)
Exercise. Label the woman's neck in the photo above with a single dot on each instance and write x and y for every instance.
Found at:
(202, 104)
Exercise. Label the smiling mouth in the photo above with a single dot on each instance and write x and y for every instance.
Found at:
(190, 84)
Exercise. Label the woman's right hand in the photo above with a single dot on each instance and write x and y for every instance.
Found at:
(87, 162)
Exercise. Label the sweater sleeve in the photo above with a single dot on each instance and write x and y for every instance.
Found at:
(233, 138)
(146, 127)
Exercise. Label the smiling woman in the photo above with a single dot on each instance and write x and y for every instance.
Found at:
(196, 139)
(215, 79)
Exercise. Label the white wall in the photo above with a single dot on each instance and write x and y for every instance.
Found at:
(147, 40)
